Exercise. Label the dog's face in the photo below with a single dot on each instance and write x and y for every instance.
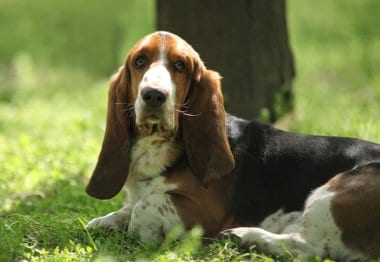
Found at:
(161, 69)
(163, 88)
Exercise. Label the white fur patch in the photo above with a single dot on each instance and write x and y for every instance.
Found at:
(320, 229)
(314, 233)
(150, 211)
(150, 156)
(158, 77)
(280, 222)
(117, 219)
(153, 217)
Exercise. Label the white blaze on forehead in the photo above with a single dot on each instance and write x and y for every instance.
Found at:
(163, 50)
(163, 56)
(158, 75)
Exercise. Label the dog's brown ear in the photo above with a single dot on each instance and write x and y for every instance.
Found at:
(111, 171)
(204, 129)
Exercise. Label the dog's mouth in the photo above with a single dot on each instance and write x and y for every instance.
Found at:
(152, 119)
(153, 124)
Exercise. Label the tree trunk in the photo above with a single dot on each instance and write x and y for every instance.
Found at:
(246, 41)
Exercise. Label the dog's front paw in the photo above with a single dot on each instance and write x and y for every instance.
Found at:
(111, 220)
(243, 236)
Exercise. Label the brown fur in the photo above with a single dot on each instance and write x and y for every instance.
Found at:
(356, 208)
(204, 131)
(113, 163)
(198, 205)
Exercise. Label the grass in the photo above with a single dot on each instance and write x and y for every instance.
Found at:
(90, 37)
(337, 50)
(52, 110)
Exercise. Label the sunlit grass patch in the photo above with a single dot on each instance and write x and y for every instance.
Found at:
(337, 88)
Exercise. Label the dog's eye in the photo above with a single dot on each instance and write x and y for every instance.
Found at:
(179, 66)
(140, 61)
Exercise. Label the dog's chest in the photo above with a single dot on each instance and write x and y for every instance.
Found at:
(150, 157)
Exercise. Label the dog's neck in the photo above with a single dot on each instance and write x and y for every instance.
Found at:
(150, 157)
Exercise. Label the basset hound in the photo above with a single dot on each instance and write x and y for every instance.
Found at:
(184, 162)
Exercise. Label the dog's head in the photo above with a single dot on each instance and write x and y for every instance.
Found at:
(163, 89)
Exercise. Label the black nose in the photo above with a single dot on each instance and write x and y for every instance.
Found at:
(153, 97)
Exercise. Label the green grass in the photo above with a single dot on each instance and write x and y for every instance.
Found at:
(52, 108)
(337, 50)
(92, 37)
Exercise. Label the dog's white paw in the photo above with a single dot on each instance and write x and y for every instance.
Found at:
(243, 236)
(111, 220)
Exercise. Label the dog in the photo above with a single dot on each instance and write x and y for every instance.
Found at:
(184, 162)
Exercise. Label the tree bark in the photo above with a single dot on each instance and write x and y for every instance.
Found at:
(246, 41)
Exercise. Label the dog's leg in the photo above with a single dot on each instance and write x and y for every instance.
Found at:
(270, 243)
(278, 235)
(290, 232)
(119, 219)
(313, 234)
(280, 222)
(153, 217)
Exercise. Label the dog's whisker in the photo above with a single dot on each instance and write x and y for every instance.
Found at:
(129, 108)
(130, 114)
(187, 114)
(184, 104)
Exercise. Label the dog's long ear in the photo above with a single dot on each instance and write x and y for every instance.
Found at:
(111, 171)
(204, 129)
